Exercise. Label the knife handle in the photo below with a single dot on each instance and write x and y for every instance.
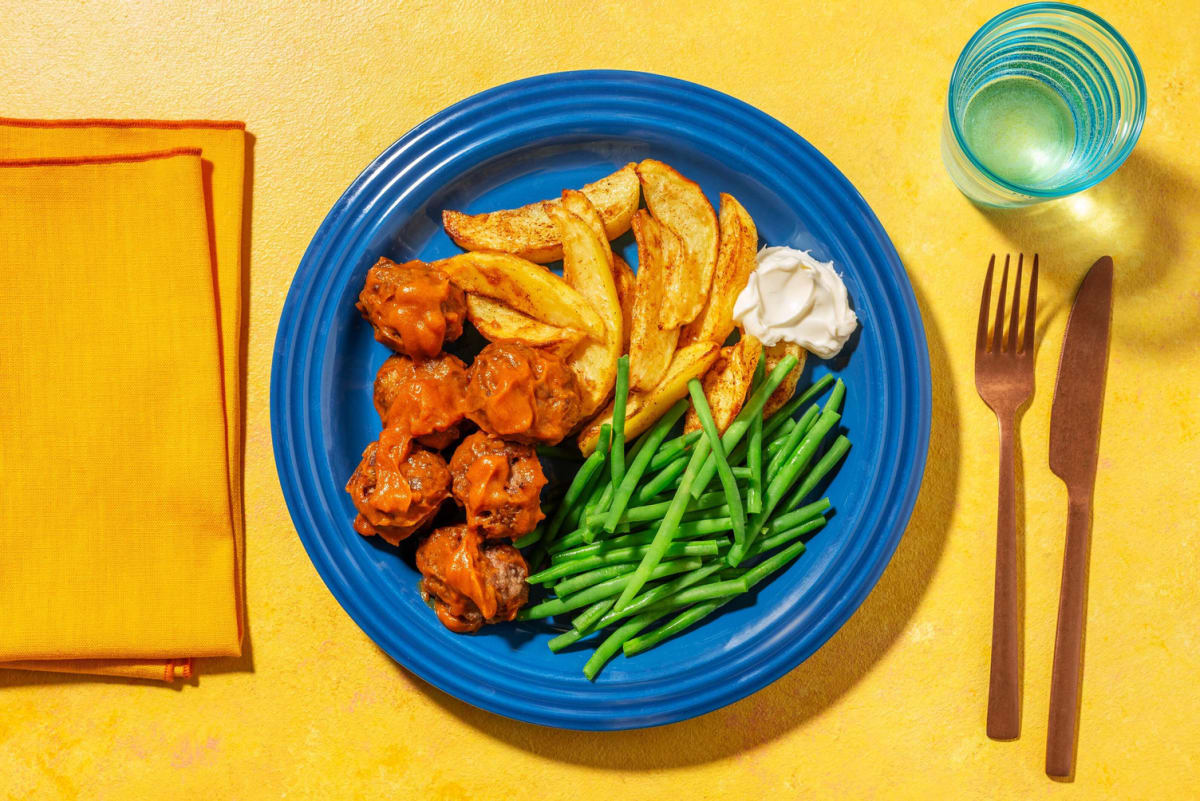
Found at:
(1065, 682)
(1004, 685)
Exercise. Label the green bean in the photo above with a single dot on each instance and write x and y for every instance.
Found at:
(579, 484)
(637, 469)
(635, 645)
(826, 463)
(632, 645)
(532, 538)
(672, 448)
(617, 557)
(733, 496)
(788, 474)
(605, 589)
(581, 581)
(585, 620)
(834, 403)
(737, 429)
(666, 530)
(642, 602)
(620, 402)
(655, 511)
(740, 472)
(613, 643)
(661, 481)
(794, 436)
(785, 412)
(775, 540)
(795, 518)
(754, 453)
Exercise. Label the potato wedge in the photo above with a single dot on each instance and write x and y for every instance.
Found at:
(727, 382)
(525, 287)
(783, 394)
(626, 286)
(681, 205)
(735, 262)
(651, 341)
(578, 204)
(644, 408)
(587, 260)
(529, 232)
(500, 323)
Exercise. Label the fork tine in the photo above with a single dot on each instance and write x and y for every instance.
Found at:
(1015, 316)
(998, 331)
(1031, 310)
(984, 303)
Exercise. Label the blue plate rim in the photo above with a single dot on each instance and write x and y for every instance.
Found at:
(683, 95)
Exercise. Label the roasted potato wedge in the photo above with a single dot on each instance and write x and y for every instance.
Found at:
(783, 394)
(651, 341)
(525, 287)
(529, 232)
(500, 323)
(727, 382)
(587, 267)
(681, 205)
(578, 204)
(644, 408)
(735, 262)
(626, 287)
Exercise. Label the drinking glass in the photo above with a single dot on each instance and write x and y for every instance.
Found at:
(1045, 100)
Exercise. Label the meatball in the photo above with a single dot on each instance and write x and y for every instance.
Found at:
(428, 398)
(471, 581)
(500, 485)
(523, 394)
(397, 487)
(412, 306)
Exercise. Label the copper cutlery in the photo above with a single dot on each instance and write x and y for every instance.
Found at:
(1074, 451)
(1004, 379)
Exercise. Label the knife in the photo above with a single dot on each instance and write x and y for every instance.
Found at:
(1074, 449)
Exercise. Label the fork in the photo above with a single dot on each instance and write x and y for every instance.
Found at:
(1004, 379)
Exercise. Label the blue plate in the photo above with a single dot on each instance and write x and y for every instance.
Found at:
(527, 141)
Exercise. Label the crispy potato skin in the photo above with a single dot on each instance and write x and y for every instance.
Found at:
(651, 341)
(500, 323)
(727, 382)
(525, 287)
(626, 286)
(735, 262)
(680, 205)
(587, 267)
(646, 407)
(774, 355)
(529, 232)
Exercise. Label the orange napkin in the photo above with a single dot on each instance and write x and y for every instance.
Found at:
(121, 543)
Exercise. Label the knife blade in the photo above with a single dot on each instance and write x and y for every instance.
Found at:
(1074, 451)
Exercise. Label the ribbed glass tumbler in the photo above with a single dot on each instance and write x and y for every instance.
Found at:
(1045, 100)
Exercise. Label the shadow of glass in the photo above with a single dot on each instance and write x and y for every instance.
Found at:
(813, 686)
(1135, 217)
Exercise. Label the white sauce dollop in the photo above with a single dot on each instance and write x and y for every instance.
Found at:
(792, 297)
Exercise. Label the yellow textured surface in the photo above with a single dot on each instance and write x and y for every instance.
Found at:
(893, 706)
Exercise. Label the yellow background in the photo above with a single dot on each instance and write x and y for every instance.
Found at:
(893, 706)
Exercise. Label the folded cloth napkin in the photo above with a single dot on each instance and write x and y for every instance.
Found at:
(121, 542)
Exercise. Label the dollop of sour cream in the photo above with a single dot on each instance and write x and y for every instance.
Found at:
(792, 297)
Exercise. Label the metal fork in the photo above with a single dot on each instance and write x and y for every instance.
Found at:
(1004, 378)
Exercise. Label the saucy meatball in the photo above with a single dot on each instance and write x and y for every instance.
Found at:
(428, 398)
(471, 581)
(500, 485)
(397, 487)
(413, 307)
(522, 394)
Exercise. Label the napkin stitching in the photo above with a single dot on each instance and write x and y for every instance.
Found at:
(68, 161)
(90, 122)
